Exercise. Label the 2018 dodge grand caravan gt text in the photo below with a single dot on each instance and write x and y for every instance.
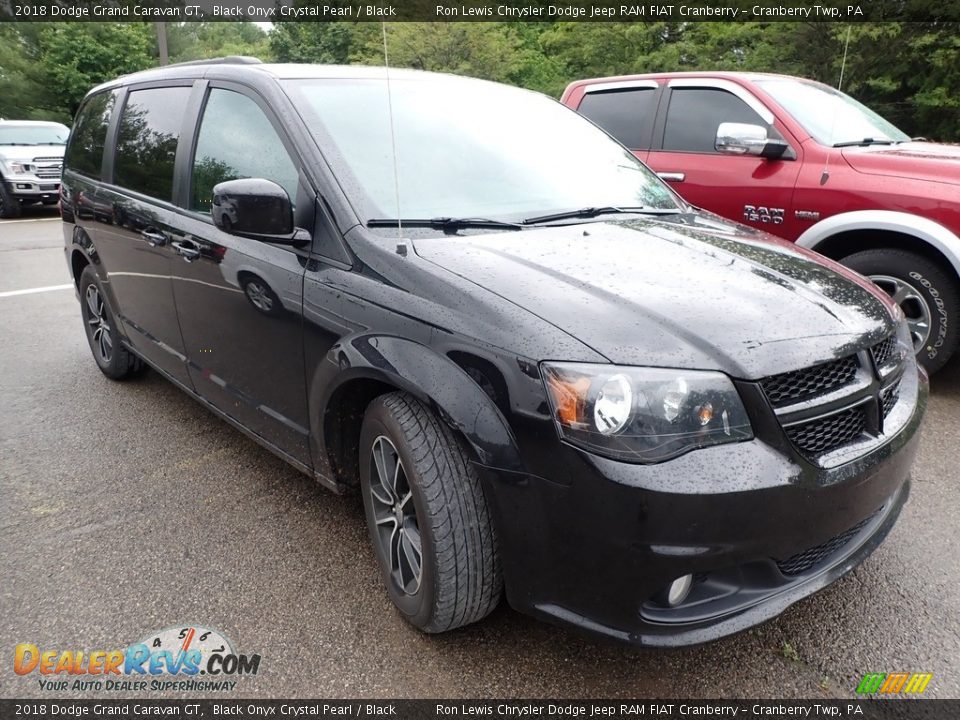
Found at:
(543, 371)
(807, 163)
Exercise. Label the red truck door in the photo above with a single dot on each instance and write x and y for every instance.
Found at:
(746, 188)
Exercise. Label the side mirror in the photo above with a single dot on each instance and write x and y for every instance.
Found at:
(256, 208)
(746, 139)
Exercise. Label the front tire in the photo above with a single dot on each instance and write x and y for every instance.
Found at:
(9, 205)
(113, 359)
(428, 518)
(929, 298)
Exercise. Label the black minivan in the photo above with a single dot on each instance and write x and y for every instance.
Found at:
(542, 369)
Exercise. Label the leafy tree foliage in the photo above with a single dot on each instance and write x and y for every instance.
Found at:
(47, 68)
(306, 42)
(197, 41)
(908, 72)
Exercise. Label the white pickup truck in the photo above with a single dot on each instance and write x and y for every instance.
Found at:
(31, 159)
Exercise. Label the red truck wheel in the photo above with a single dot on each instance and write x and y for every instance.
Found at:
(928, 297)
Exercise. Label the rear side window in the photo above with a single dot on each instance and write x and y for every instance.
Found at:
(237, 140)
(85, 151)
(147, 140)
(695, 114)
(625, 114)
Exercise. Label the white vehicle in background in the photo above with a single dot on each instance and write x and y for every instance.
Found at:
(31, 160)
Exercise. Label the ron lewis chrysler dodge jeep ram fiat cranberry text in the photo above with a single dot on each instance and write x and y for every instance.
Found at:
(544, 371)
(803, 161)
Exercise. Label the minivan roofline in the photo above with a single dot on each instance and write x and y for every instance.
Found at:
(241, 67)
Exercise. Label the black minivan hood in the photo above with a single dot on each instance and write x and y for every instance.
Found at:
(692, 292)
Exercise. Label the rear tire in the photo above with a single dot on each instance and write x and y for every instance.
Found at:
(927, 295)
(99, 321)
(9, 205)
(433, 500)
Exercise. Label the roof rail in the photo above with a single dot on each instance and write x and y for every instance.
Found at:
(228, 60)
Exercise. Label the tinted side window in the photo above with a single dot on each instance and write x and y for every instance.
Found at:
(622, 113)
(147, 140)
(237, 141)
(695, 114)
(85, 151)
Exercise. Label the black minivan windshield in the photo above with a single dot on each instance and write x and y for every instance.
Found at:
(469, 149)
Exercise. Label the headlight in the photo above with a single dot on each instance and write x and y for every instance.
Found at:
(643, 415)
(19, 168)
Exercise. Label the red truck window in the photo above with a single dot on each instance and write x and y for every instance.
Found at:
(625, 114)
(695, 113)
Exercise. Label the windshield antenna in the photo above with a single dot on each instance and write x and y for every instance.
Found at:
(401, 244)
(833, 123)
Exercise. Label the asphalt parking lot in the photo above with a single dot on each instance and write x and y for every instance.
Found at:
(127, 508)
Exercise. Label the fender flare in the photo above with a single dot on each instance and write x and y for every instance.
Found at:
(930, 232)
(429, 376)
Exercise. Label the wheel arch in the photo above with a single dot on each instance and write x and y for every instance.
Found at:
(78, 261)
(81, 253)
(360, 368)
(846, 233)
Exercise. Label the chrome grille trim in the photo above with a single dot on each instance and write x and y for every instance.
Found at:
(48, 168)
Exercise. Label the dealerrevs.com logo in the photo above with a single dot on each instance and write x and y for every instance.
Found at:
(181, 658)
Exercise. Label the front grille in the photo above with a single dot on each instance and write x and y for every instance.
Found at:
(889, 397)
(885, 352)
(798, 385)
(822, 435)
(801, 562)
(49, 168)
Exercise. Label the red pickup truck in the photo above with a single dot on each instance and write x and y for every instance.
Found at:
(808, 163)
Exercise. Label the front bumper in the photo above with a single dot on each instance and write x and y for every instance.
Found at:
(593, 546)
(28, 188)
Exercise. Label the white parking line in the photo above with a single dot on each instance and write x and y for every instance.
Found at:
(11, 222)
(30, 291)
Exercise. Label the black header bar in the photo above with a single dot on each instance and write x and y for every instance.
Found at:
(478, 10)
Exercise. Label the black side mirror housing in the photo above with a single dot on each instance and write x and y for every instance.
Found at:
(777, 149)
(258, 209)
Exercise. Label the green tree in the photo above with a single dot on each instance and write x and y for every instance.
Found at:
(19, 90)
(310, 42)
(202, 40)
(74, 57)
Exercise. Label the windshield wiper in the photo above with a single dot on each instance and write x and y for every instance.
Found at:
(447, 224)
(865, 142)
(592, 212)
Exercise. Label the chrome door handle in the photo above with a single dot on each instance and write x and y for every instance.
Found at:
(153, 238)
(672, 176)
(187, 252)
